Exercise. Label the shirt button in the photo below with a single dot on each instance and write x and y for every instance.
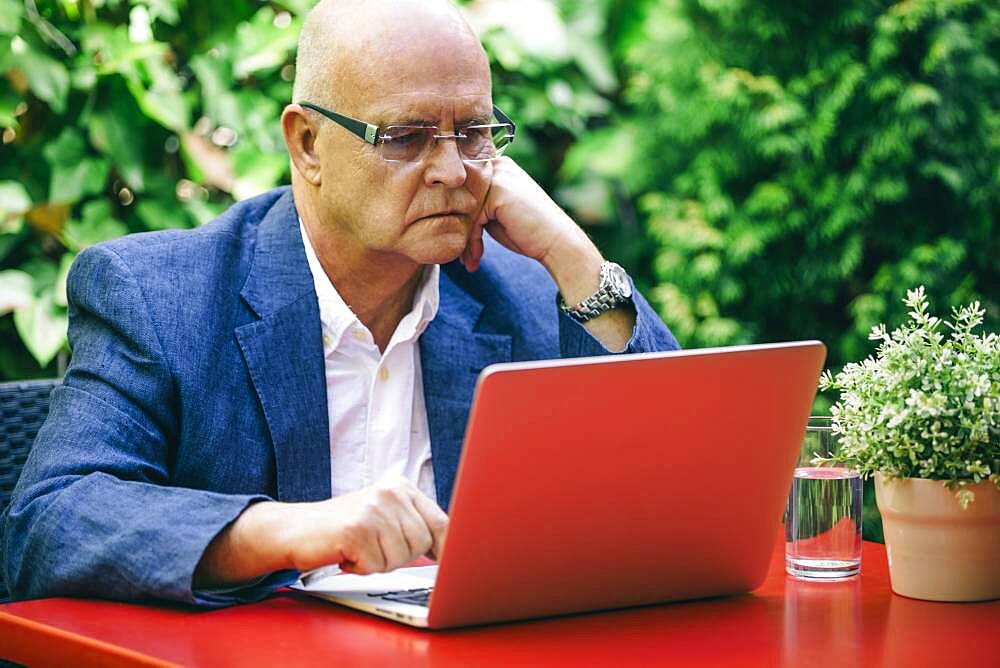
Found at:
(383, 373)
(358, 334)
(326, 340)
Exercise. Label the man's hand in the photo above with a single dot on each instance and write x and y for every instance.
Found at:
(522, 217)
(379, 528)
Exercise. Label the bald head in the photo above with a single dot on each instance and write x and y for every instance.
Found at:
(345, 44)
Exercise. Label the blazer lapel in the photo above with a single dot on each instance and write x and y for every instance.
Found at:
(283, 351)
(451, 356)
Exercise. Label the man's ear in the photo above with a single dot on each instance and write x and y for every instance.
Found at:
(300, 138)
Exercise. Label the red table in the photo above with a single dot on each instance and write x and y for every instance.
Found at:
(784, 622)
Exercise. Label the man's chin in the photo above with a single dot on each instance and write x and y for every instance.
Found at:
(440, 245)
(440, 255)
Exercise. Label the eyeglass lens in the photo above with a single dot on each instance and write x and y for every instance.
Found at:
(476, 143)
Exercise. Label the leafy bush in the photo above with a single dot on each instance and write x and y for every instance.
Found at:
(124, 117)
(797, 166)
(927, 405)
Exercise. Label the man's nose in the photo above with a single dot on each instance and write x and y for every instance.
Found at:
(444, 164)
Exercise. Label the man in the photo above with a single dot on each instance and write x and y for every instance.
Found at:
(288, 386)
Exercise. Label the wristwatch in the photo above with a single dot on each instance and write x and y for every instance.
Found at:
(615, 290)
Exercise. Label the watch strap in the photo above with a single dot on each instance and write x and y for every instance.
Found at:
(606, 298)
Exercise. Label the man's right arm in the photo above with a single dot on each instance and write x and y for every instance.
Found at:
(379, 528)
(95, 513)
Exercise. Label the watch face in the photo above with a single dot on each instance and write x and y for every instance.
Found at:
(620, 281)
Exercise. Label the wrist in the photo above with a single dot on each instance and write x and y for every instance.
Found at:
(244, 550)
(575, 266)
(258, 535)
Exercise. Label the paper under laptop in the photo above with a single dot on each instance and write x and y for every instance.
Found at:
(368, 592)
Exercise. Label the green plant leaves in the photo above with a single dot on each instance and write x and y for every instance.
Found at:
(162, 99)
(264, 42)
(163, 10)
(927, 404)
(10, 16)
(115, 129)
(154, 117)
(40, 321)
(8, 108)
(59, 289)
(256, 172)
(115, 52)
(829, 172)
(96, 224)
(215, 74)
(14, 199)
(72, 182)
(15, 290)
(74, 174)
(42, 326)
(68, 147)
(157, 215)
(47, 78)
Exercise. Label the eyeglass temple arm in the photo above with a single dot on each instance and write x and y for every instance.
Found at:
(366, 131)
(504, 118)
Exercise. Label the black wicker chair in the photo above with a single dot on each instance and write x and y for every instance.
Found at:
(23, 407)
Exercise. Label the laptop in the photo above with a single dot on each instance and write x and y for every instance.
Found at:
(608, 482)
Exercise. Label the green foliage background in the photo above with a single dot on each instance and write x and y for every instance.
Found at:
(766, 170)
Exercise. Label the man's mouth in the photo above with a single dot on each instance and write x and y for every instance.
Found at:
(442, 214)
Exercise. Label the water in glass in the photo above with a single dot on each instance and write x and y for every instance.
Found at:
(823, 524)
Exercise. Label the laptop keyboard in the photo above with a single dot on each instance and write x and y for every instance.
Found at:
(411, 596)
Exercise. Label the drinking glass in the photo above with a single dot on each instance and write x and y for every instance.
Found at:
(823, 518)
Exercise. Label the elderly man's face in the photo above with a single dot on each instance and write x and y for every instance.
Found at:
(423, 211)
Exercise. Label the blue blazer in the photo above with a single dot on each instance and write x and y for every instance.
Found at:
(197, 387)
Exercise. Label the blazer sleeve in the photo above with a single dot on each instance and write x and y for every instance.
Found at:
(649, 335)
(94, 513)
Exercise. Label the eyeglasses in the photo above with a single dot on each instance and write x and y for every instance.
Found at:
(411, 143)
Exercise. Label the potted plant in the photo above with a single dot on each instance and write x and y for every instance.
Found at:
(923, 416)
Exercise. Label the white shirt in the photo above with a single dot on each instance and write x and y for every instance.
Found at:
(375, 402)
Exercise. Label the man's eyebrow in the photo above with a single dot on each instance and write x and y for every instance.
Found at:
(475, 120)
(419, 122)
(423, 122)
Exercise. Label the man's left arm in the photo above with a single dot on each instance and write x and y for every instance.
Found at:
(522, 217)
(632, 327)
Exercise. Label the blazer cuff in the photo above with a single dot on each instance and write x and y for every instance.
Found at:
(648, 335)
(251, 592)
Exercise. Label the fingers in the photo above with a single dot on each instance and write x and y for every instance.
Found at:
(473, 252)
(392, 539)
(415, 532)
(497, 231)
(488, 210)
(377, 529)
(404, 526)
(386, 516)
(436, 521)
(364, 548)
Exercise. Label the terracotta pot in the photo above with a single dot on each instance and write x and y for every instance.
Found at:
(937, 551)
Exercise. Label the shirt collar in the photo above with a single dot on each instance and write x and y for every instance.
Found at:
(337, 317)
